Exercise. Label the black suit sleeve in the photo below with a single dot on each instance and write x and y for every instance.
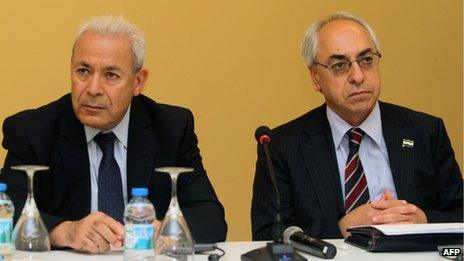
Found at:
(448, 180)
(20, 152)
(198, 201)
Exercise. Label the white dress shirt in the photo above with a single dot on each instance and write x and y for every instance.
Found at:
(372, 152)
(120, 154)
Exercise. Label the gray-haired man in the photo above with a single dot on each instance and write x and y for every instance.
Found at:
(104, 139)
(355, 160)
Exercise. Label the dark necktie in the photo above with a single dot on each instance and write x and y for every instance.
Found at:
(110, 198)
(356, 190)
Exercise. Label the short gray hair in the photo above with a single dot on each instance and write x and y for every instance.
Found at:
(309, 46)
(116, 26)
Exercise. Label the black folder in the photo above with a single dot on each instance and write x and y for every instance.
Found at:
(373, 240)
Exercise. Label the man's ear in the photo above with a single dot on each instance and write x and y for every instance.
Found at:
(315, 77)
(140, 80)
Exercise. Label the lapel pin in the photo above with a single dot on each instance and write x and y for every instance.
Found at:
(408, 143)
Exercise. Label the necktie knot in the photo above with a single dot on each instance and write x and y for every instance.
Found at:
(106, 143)
(355, 136)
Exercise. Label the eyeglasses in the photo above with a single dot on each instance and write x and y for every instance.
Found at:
(342, 66)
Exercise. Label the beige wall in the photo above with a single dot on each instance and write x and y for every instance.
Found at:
(236, 65)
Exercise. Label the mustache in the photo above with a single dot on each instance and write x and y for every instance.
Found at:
(356, 89)
(93, 103)
(360, 86)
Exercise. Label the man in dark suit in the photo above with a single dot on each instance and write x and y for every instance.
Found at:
(355, 160)
(106, 104)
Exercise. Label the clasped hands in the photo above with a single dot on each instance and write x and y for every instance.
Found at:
(386, 210)
(95, 233)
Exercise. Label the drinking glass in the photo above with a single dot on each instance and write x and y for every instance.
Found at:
(174, 240)
(30, 233)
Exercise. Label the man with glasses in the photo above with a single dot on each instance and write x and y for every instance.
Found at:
(355, 160)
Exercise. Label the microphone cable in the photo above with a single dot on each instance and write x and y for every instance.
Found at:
(215, 257)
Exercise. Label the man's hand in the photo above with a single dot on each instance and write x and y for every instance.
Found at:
(157, 225)
(358, 216)
(95, 233)
(365, 214)
(400, 214)
(386, 195)
(386, 210)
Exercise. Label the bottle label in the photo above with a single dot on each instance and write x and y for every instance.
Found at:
(6, 230)
(139, 236)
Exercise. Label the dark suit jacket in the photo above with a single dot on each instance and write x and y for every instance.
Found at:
(305, 163)
(159, 135)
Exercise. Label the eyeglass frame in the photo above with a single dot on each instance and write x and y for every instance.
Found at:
(350, 62)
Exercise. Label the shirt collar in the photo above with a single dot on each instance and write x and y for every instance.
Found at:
(372, 125)
(120, 131)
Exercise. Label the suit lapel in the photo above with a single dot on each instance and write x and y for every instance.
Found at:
(73, 150)
(400, 157)
(141, 149)
(321, 162)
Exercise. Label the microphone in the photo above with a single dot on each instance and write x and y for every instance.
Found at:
(263, 136)
(298, 239)
(276, 250)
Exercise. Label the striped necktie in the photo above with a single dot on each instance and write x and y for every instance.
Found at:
(356, 190)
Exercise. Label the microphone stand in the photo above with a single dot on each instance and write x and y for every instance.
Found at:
(276, 250)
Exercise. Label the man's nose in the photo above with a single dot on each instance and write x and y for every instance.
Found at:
(95, 85)
(356, 74)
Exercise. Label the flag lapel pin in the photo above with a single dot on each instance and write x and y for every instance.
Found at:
(408, 143)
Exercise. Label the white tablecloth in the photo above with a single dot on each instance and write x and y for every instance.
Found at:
(235, 249)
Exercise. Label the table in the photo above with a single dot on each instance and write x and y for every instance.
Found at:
(235, 249)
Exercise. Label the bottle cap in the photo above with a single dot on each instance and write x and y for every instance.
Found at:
(139, 192)
(2, 187)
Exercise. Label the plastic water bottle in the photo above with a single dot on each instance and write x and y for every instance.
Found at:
(6, 224)
(138, 224)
